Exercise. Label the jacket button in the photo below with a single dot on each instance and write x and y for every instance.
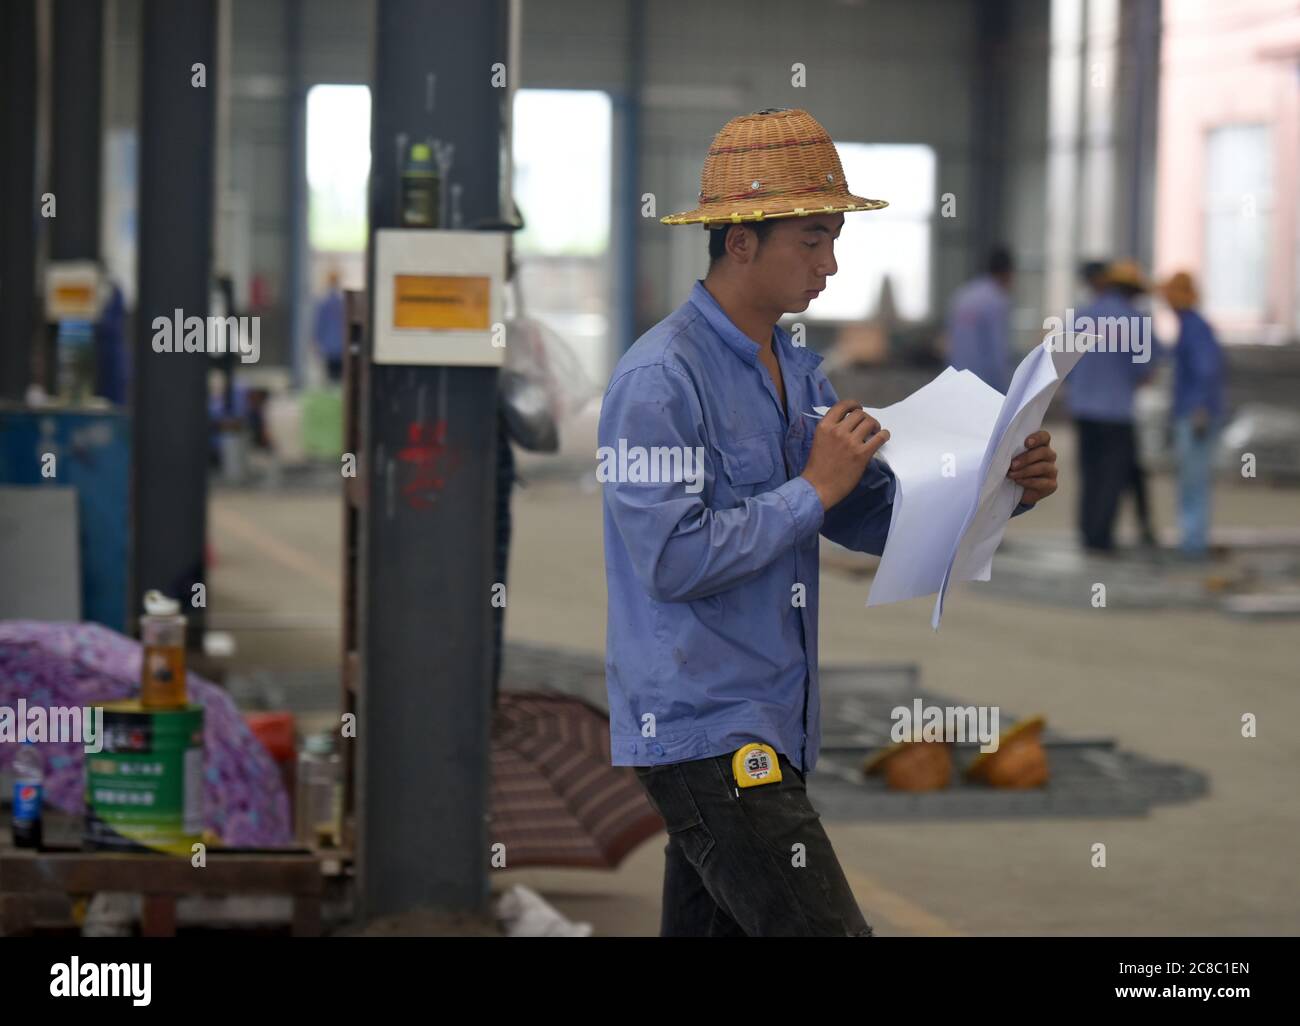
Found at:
(658, 749)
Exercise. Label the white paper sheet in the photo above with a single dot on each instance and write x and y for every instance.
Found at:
(950, 446)
(937, 429)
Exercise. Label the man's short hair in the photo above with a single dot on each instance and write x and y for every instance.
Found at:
(718, 237)
(1000, 261)
(1091, 271)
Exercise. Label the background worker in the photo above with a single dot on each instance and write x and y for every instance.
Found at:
(979, 323)
(1101, 391)
(1197, 412)
(329, 327)
(1093, 274)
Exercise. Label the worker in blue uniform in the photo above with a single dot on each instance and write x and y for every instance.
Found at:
(718, 483)
(1093, 273)
(1198, 409)
(1101, 391)
(979, 323)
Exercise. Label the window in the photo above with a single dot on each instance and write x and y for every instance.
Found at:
(893, 242)
(338, 166)
(562, 142)
(562, 158)
(1238, 208)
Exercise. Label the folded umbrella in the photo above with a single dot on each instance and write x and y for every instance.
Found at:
(556, 800)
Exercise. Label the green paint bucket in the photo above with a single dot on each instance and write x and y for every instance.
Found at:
(144, 791)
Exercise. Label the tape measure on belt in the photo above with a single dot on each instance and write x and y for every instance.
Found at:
(755, 764)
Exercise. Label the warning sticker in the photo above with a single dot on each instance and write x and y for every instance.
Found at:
(440, 302)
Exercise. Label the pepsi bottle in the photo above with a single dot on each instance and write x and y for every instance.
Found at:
(29, 781)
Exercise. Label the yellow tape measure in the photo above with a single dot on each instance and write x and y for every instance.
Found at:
(755, 764)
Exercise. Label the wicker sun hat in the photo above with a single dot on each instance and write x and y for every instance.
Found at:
(1180, 291)
(1127, 273)
(912, 765)
(776, 162)
(1020, 760)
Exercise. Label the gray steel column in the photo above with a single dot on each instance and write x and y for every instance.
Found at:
(989, 132)
(170, 398)
(628, 190)
(77, 137)
(298, 294)
(19, 202)
(426, 633)
(1142, 67)
(1067, 76)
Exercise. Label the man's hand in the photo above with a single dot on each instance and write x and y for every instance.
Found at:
(843, 445)
(1035, 468)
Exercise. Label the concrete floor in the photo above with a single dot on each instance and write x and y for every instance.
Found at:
(1171, 685)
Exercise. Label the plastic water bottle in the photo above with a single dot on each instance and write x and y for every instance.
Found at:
(420, 189)
(29, 784)
(319, 802)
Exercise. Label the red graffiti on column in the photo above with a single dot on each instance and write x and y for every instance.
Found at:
(429, 462)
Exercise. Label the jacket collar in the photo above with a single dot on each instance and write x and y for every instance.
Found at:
(740, 343)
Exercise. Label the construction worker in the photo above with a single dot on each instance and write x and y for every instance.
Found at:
(716, 489)
(1101, 390)
(1197, 412)
(979, 323)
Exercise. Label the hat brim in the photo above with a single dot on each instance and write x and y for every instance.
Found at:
(1025, 728)
(1130, 283)
(719, 214)
(874, 762)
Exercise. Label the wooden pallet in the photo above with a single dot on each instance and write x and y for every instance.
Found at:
(159, 879)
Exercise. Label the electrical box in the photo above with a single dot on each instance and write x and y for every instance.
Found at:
(71, 290)
(92, 450)
(440, 297)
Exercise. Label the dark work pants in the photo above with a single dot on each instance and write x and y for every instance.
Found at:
(1139, 486)
(1108, 462)
(750, 861)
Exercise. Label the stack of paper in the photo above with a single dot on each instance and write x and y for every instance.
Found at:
(950, 446)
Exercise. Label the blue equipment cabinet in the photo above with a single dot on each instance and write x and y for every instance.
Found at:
(93, 455)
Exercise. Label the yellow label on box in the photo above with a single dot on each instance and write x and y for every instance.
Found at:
(440, 302)
(82, 296)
